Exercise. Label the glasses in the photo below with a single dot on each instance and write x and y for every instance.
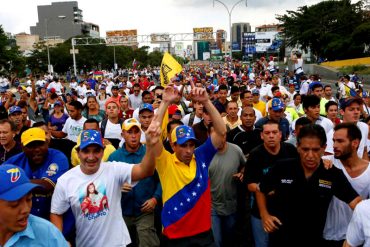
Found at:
(136, 91)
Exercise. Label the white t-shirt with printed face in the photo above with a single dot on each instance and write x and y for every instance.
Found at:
(95, 201)
(73, 128)
(363, 144)
(339, 213)
(358, 231)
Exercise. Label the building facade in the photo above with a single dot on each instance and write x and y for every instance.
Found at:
(237, 34)
(63, 20)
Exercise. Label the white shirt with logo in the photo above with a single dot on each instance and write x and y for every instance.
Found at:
(95, 201)
(73, 128)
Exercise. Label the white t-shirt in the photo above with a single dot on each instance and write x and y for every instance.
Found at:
(73, 128)
(298, 67)
(339, 213)
(98, 216)
(73, 85)
(57, 85)
(271, 65)
(359, 228)
(112, 131)
(40, 83)
(186, 119)
(256, 112)
(81, 90)
(108, 89)
(134, 101)
(363, 144)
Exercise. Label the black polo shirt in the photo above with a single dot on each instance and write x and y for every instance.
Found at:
(246, 140)
(301, 204)
(260, 161)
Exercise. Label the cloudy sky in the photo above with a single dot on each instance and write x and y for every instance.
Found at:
(151, 16)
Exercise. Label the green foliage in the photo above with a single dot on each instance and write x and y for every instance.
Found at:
(333, 29)
(11, 59)
(359, 68)
(92, 57)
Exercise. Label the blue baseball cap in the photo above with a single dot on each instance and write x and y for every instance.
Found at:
(182, 134)
(256, 91)
(348, 101)
(14, 183)
(58, 103)
(314, 84)
(90, 137)
(277, 104)
(146, 106)
(14, 109)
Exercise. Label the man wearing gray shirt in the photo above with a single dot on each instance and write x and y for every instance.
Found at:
(225, 171)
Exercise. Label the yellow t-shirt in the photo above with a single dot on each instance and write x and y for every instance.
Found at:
(76, 161)
(261, 106)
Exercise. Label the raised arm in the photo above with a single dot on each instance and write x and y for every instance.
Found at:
(169, 95)
(217, 136)
(147, 166)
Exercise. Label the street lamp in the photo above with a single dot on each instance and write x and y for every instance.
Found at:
(230, 27)
(47, 43)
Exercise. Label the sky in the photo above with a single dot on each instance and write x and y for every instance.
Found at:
(153, 16)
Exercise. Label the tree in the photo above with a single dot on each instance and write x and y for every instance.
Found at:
(331, 29)
(11, 59)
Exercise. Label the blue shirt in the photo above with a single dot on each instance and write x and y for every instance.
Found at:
(39, 232)
(55, 164)
(147, 188)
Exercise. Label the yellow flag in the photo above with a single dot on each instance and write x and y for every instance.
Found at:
(169, 68)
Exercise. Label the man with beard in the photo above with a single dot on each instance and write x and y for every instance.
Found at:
(350, 109)
(347, 138)
(42, 165)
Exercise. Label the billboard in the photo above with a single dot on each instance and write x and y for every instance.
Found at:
(203, 33)
(122, 37)
(264, 40)
(156, 38)
(249, 43)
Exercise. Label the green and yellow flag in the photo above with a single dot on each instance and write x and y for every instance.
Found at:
(169, 68)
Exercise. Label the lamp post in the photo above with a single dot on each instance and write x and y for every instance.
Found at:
(47, 43)
(230, 27)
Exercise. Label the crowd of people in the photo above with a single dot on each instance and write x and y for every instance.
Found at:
(223, 155)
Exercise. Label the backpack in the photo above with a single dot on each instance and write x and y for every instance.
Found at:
(104, 125)
(191, 119)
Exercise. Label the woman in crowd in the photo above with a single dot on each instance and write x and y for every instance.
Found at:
(58, 117)
(111, 127)
(125, 111)
(102, 97)
(92, 110)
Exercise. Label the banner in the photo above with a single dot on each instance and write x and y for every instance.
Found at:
(121, 37)
(169, 68)
(203, 33)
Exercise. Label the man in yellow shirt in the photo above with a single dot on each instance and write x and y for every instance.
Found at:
(91, 124)
(186, 214)
(257, 103)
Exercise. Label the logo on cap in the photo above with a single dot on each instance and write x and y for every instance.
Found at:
(15, 174)
(181, 133)
(86, 136)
